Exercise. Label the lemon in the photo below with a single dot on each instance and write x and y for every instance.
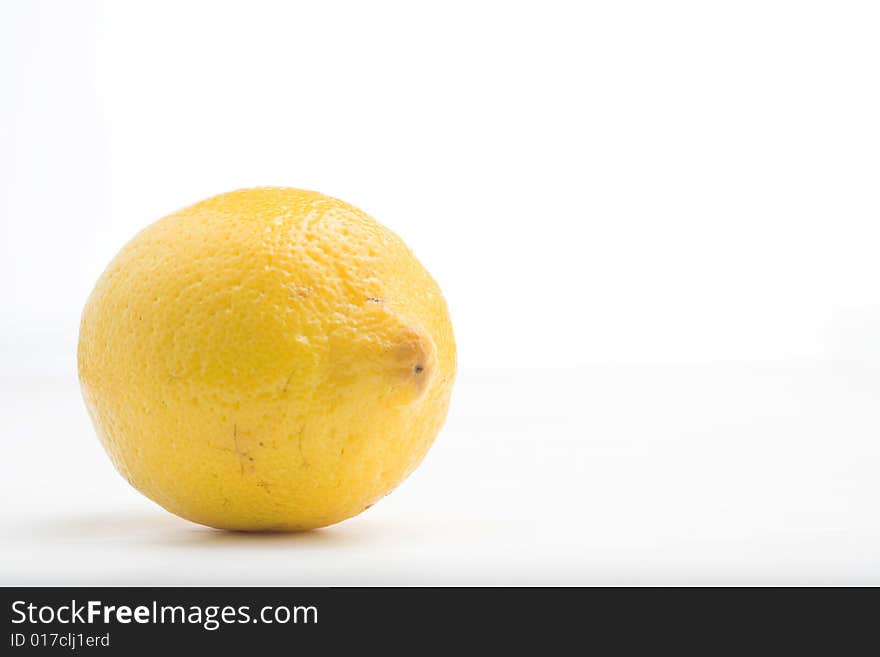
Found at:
(266, 359)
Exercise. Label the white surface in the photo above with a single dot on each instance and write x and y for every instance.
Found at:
(610, 474)
(667, 210)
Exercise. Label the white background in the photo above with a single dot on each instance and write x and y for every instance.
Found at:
(656, 225)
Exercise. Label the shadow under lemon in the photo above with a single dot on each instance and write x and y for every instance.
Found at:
(163, 529)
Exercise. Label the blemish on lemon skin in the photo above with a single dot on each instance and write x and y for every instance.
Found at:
(287, 382)
(300, 291)
(245, 459)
